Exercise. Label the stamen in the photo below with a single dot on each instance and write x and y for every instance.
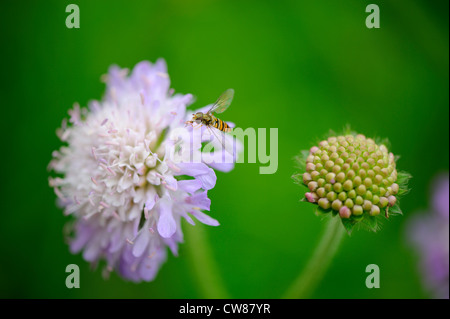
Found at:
(93, 153)
(65, 135)
(173, 166)
(59, 194)
(116, 216)
(104, 204)
(111, 171)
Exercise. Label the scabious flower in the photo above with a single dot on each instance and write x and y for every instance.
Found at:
(130, 171)
(354, 177)
(429, 235)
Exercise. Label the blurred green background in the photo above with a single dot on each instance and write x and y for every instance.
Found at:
(302, 67)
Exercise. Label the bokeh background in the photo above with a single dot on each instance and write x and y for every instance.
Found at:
(300, 66)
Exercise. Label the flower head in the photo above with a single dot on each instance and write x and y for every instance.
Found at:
(128, 175)
(429, 235)
(352, 176)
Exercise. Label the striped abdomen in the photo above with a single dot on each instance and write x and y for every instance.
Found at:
(221, 125)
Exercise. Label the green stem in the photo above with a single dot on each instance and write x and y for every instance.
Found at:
(317, 266)
(203, 265)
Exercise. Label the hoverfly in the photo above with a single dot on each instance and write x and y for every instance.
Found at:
(209, 120)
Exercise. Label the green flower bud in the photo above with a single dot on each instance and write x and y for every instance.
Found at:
(357, 181)
(395, 188)
(361, 190)
(368, 182)
(336, 169)
(336, 205)
(349, 203)
(338, 187)
(310, 167)
(315, 175)
(375, 199)
(375, 189)
(342, 196)
(367, 205)
(307, 178)
(352, 175)
(348, 185)
(324, 203)
(357, 210)
(329, 165)
(331, 196)
(321, 182)
(340, 177)
(312, 186)
(330, 178)
(392, 200)
(321, 192)
(375, 210)
(384, 202)
(359, 200)
(351, 194)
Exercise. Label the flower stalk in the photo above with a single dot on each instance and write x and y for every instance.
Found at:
(315, 269)
(203, 264)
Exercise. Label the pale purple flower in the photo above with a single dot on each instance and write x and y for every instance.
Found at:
(119, 174)
(429, 234)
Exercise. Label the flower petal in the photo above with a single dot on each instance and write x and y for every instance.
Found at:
(200, 200)
(203, 218)
(141, 242)
(190, 185)
(166, 223)
(192, 169)
(208, 180)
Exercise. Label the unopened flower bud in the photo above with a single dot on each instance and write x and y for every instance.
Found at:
(345, 212)
(352, 175)
(311, 197)
(307, 178)
(312, 186)
(392, 200)
(336, 205)
(375, 210)
(357, 210)
(324, 203)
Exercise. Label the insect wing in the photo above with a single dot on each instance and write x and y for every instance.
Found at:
(223, 102)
